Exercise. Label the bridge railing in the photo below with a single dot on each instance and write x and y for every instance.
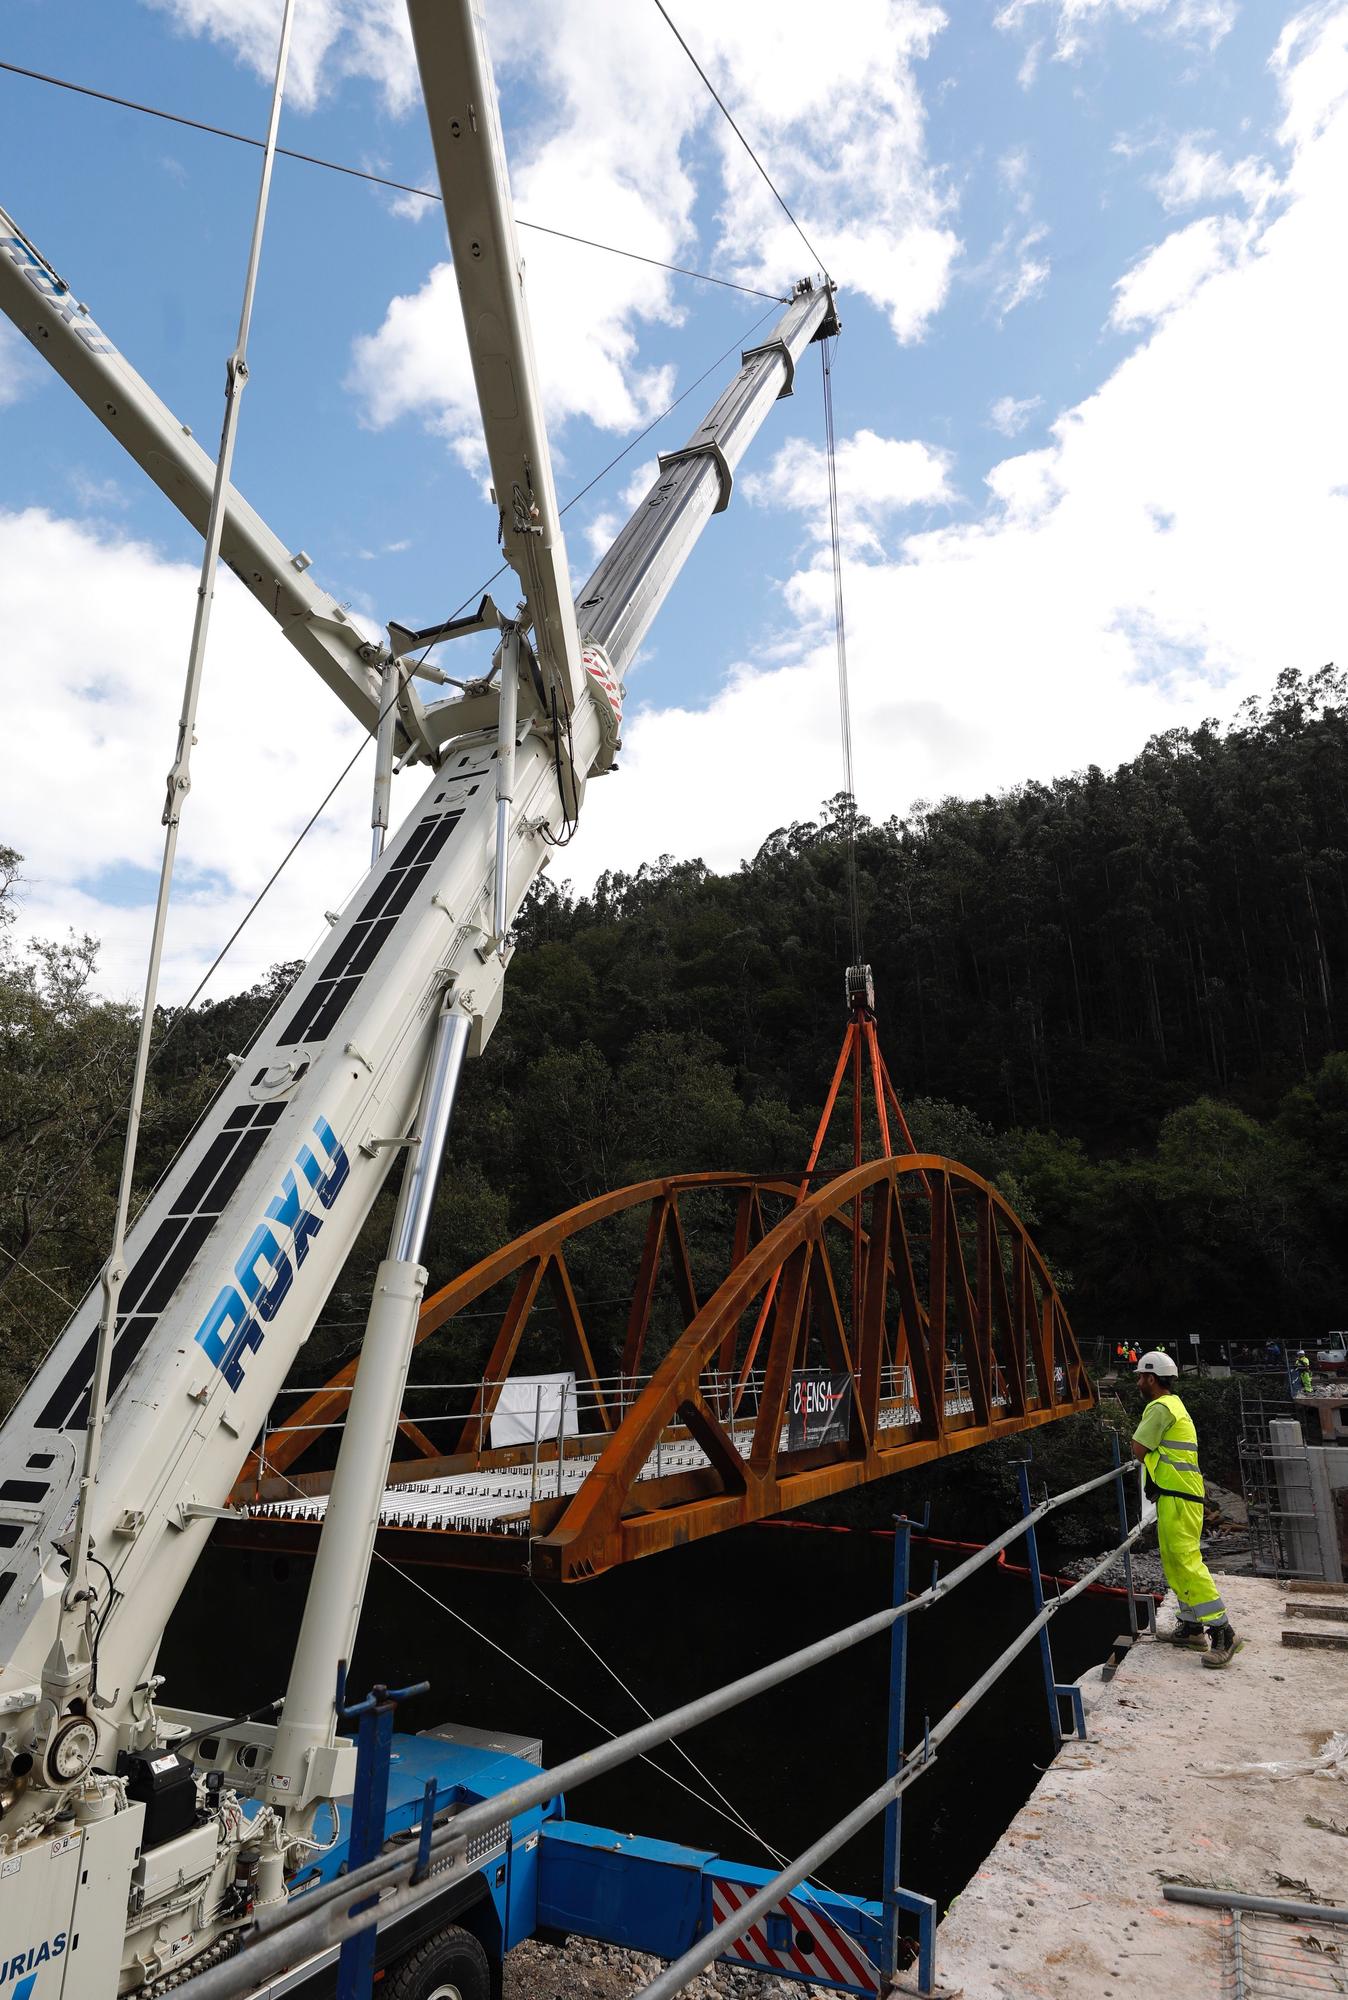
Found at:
(588, 1409)
(561, 1428)
(396, 1880)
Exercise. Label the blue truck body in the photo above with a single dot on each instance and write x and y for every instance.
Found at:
(559, 1876)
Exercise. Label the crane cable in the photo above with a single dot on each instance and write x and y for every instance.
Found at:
(376, 180)
(725, 112)
(723, 1807)
(840, 639)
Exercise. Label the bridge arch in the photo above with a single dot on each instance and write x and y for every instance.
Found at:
(909, 1279)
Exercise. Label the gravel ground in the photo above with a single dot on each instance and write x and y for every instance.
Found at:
(605, 1972)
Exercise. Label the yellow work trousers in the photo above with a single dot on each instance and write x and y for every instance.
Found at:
(1178, 1526)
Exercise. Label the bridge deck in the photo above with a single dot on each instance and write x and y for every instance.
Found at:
(507, 1503)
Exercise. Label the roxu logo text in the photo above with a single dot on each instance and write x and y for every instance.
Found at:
(266, 1267)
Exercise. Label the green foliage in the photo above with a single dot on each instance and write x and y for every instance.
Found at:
(1118, 996)
(64, 1055)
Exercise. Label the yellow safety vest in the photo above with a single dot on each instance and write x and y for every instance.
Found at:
(1173, 1466)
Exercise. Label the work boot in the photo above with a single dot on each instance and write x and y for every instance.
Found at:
(1225, 1646)
(1192, 1637)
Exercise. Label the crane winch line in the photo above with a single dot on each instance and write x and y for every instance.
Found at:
(840, 640)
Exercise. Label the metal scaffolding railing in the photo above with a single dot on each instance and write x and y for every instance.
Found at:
(1278, 1496)
(448, 1845)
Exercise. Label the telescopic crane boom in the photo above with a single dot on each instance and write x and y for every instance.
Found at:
(233, 1257)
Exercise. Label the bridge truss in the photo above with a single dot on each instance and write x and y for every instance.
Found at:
(907, 1284)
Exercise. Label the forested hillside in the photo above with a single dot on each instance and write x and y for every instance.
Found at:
(1122, 994)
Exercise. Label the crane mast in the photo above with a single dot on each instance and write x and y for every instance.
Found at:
(233, 1256)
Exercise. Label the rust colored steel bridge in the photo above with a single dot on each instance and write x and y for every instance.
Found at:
(906, 1288)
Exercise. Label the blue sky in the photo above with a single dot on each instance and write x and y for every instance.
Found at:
(1093, 441)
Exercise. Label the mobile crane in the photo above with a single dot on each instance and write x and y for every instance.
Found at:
(136, 1840)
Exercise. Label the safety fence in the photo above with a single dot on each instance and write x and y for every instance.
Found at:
(1276, 1445)
(448, 1844)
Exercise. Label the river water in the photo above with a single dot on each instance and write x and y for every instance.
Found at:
(674, 1626)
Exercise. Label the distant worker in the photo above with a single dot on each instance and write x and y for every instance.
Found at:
(1167, 1443)
(1132, 1357)
(1304, 1372)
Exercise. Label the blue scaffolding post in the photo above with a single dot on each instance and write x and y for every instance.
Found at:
(373, 1718)
(896, 1897)
(1055, 1691)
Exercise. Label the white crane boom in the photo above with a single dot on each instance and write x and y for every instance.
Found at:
(465, 122)
(233, 1256)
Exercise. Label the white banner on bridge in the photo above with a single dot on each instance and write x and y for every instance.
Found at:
(535, 1406)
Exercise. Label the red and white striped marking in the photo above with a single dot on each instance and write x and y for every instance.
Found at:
(832, 1955)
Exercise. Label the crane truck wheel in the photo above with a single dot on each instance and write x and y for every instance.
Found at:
(451, 1965)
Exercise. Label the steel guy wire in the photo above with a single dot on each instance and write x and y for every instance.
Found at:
(114, 1269)
(38, 1278)
(556, 1692)
(776, 195)
(377, 180)
(632, 1695)
(732, 1810)
(506, 1654)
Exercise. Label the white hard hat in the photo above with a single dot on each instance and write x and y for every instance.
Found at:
(1156, 1364)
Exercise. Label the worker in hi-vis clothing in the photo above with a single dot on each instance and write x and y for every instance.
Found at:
(1167, 1443)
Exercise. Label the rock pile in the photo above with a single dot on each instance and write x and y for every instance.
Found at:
(536, 1971)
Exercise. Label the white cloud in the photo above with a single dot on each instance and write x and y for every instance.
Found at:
(838, 119)
(1026, 280)
(1206, 22)
(1196, 176)
(1029, 65)
(1010, 414)
(844, 136)
(417, 362)
(1169, 275)
(268, 749)
(18, 370)
(1177, 543)
(1013, 170)
(331, 39)
(878, 477)
(1311, 64)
